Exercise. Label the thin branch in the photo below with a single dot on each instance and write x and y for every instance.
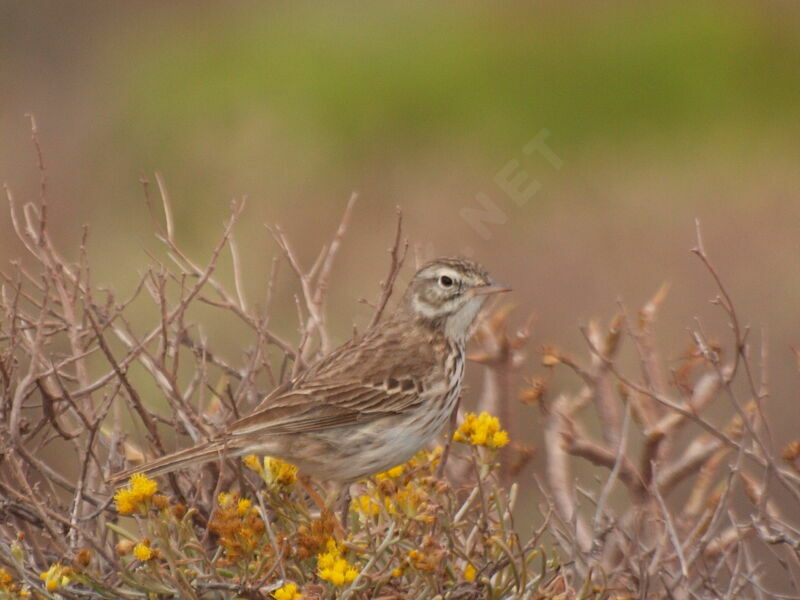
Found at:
(397, 256)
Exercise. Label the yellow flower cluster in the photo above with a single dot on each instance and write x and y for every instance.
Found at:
(422, 561)
(238, 525)
(425, 462)
(136, 496)
(402, 490)
(143, 551)
(392, 473)
(367, 505)
(333, 567)
(240, 506)
(252, 462)
(287, 592)
(422, 463)
(313, 537)
(430, 556)
(407, 501)
(56, 576)
(279, 473)
(9, 589)
(481, 430)
(276, 473)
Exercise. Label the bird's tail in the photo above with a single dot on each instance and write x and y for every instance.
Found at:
(200, 453)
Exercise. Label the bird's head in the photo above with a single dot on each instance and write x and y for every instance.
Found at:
(448, 293)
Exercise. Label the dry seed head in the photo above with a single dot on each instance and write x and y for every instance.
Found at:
(648, 311)
(82, 558)
(533, 390)
(160, 501)
(179, 510)
(551, 356)
(614, 335)
(791, 451)
(124, 547)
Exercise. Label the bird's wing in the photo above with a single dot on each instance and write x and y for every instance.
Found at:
(321, 408)
(361, 381)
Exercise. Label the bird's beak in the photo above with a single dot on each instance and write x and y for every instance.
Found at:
(492, 288)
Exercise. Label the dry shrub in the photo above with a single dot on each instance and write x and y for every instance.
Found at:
(74, 367)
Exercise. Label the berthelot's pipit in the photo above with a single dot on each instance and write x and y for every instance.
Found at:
(372, 403)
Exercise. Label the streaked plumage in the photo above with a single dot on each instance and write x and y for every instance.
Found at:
(373, 402)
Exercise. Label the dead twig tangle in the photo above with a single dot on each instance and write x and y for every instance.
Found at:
(659, 479)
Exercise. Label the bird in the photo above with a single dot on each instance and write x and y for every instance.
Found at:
(373, 402)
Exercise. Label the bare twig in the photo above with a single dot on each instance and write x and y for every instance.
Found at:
(397, 256)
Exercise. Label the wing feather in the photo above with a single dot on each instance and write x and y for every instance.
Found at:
(335, 392)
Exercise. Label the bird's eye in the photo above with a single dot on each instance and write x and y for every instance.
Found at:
(446, 281)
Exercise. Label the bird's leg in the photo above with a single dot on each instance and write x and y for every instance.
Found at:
(345, 498)
(305, 483)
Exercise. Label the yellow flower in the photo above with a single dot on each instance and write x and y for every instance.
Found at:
(392, 473)
(366, 506)
(408, 500)
(500, 438)
(238, 525)
(243, 506)
(278, 473)
(5, 578)
(428, 560)
(481, 430)
(139, 491)
(333, 567)
(56, 576)
(434, 456)
(469, 573)
(326, 559)
(287, 592)
(124, 500)
(252, 462)
(143, 551)
(142, 486)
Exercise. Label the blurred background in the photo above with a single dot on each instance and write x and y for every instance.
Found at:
(567, 145)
